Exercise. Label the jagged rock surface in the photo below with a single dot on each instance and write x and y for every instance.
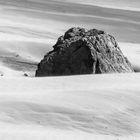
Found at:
(84, 52)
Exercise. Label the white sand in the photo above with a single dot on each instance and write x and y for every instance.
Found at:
(88, 107)
(79, 107)
(119, 4)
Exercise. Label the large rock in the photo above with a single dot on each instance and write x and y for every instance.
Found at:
(84, 52)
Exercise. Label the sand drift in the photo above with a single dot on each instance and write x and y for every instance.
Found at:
(104, 107)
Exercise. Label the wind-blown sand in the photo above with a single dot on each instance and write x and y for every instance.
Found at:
(119, 4)
(104, 107)
(73, 107)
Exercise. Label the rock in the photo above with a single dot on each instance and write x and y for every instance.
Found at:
(84, 52)
(26, 75)
(17, 55)
(1, 74)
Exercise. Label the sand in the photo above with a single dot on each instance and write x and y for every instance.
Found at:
(102, 107)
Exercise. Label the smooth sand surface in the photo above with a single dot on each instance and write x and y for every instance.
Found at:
(74, 107)
(101, 107)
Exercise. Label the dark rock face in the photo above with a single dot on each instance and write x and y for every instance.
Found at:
(84, 52)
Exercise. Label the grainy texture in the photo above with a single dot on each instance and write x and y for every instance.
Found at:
(84, 52)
